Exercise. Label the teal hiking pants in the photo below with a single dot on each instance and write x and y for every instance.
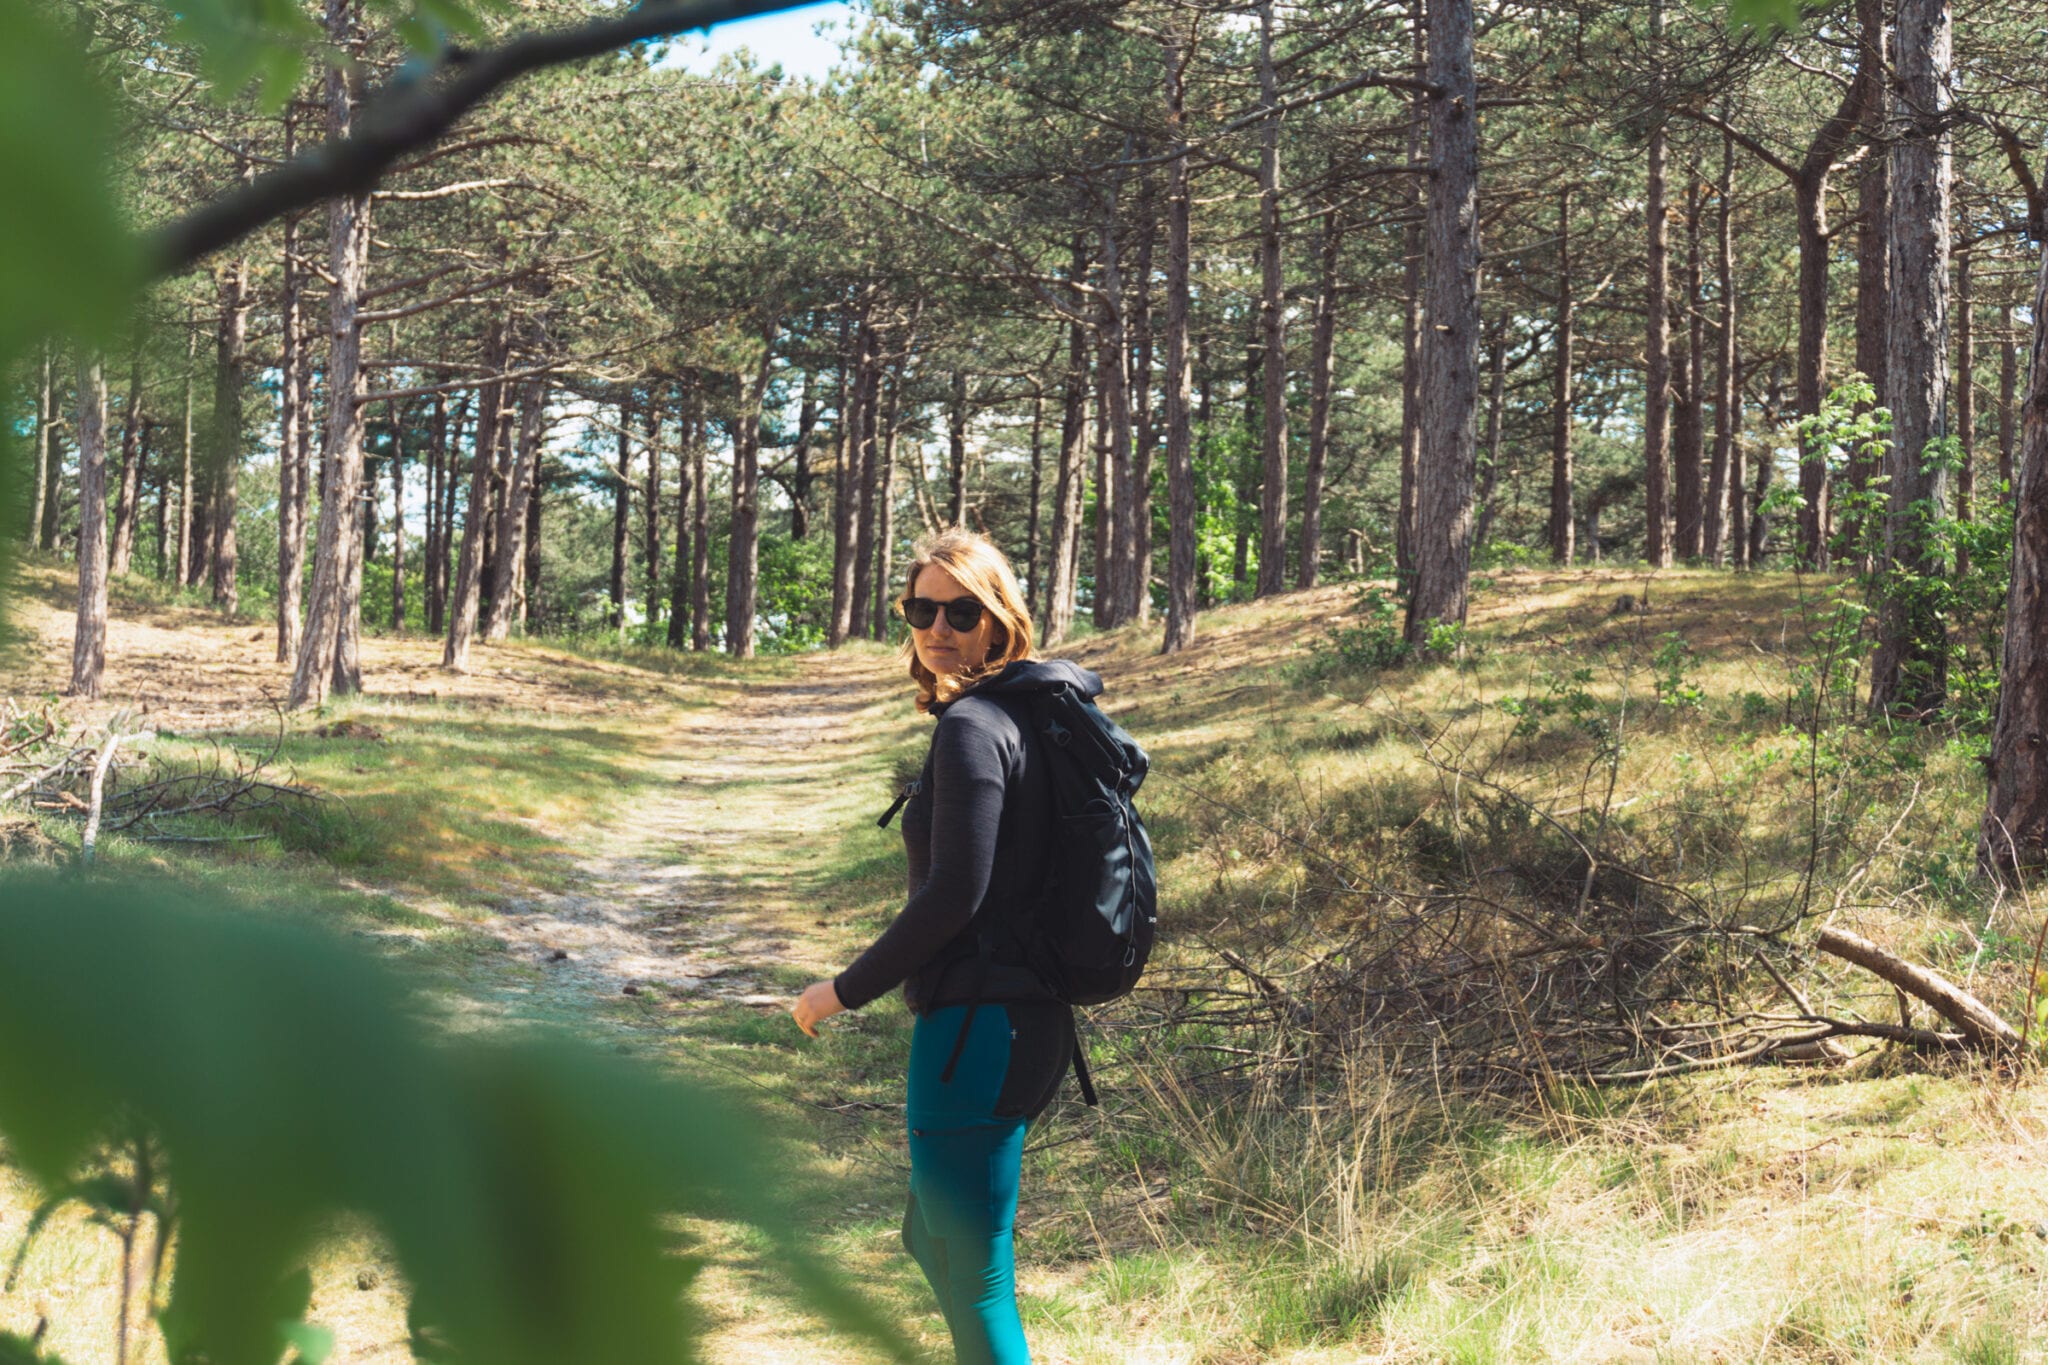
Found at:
(966, 1148)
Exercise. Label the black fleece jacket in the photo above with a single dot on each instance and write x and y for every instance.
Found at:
(976, 833)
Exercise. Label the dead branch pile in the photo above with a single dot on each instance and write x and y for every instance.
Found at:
(115, 778)
(1512, 942)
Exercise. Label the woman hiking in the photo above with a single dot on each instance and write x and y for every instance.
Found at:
(990, 1044)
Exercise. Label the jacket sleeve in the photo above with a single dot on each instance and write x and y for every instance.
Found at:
(969, 773)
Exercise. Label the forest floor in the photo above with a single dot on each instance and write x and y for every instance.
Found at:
(660, 850)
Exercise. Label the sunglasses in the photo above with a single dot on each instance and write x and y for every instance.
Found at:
(962, 613)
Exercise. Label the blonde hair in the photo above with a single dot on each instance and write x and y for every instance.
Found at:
(981, 569)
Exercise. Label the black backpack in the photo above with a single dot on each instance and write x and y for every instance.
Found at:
(1093, 928)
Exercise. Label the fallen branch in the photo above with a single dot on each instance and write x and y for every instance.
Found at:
(1972, 1017)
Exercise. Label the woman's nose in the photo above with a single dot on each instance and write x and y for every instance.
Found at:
(941, 627)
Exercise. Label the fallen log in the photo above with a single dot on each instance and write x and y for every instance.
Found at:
(1975, 1020)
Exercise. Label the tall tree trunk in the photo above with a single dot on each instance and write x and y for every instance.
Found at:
(688, 437)
(89, 640)
(1134, 496)
(1496, 400)
(956, 451)
(1253, 403)
(742, 581)
(800, 463)
(1873, 260)
(1034, 576)
(128, 491)
(1182, 571)
(1412, 251)
(186, 456)
(430, 566)
(1066, 509)
(1562, 523)
(1910, 670)
(292, 414)
(885, 501)
(869, 391)
(1689, 445)
(845, 497)
(2015, 826)
(2008, 386)
(451, 476)
(1657, 343)
(650, 521)
(1450, 343)
(1113, 428)
(1966, 405)
(529, 578)
(163, 505)
(622, 510)
(1810, 198)
(700, 545)
(1726, 398)
(1321, 375)
(397, 519)
(50, 451)
(1759, 539)
(45, 487)
(463, 606)
(511, 565)
(335, 600)
(225, 458)
(1272, 327)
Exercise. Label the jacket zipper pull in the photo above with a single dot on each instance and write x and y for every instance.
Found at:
(910, 789)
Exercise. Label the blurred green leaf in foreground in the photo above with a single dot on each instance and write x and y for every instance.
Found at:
(521, 1182)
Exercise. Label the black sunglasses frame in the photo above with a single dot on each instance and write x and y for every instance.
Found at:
(962, 613)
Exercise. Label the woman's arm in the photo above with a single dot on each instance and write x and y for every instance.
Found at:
(970, 754)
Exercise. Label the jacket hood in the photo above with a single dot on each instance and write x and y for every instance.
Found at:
(1037, 675)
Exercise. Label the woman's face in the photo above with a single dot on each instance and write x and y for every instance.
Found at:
(942, 649)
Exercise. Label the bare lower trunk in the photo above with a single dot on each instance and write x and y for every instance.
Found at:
(1450, 343)
(1066, 514)
(700, 551)
(1738, 496)
(186, 457)
(1811, 201)
(885, 502)
(689, 435)
(89, 640)
(45, 488)
(512, 521)
(845, 498)
(2008, 386)
(226, 455)
(1034, 574)
(1181, 570)
(1873, 260)
(956, 452)
(865, 471)
(128, 489)
(462, 609)
(1322, 365)
(742, 582)
(1714, 531)
(1910, 670)
(1966, 406)
(291, 466)
(398, 522)
(1272, 330)
(336, 595)
(622, 510)
(1496, 400)
(1134, 497)
(1689, 435)
(1113, 430)
(2015, 826)
(1657, 342)
(1562, 522)
(1412, 250)
(650, 520)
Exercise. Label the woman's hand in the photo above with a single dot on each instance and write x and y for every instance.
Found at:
(819, 1001)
